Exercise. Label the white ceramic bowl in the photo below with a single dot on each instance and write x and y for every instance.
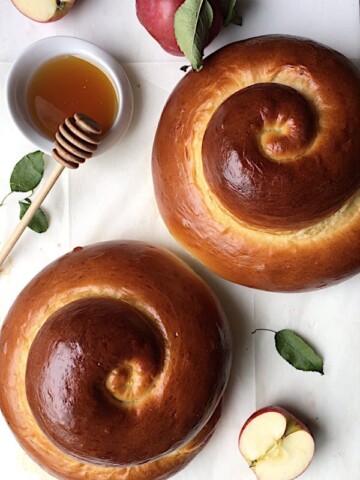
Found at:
(42, 51)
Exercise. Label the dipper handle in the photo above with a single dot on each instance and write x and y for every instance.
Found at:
(75, 141)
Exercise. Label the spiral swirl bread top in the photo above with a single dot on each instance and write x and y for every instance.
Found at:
(256, 164)
(113, 361)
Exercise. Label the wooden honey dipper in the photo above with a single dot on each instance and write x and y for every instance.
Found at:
(75, 141)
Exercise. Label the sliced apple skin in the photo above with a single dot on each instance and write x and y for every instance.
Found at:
(275, 444)
(44, 11)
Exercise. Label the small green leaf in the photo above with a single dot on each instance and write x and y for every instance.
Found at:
(39, 223)
(192, 22)
(28, 172)
(297, 352)
(236, 19)
(230, 12)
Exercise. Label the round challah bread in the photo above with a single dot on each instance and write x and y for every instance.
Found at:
(113, 362)
(256, 164)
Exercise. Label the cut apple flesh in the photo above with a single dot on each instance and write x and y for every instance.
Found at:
(40, 10)
(261, 434)
(276, 447)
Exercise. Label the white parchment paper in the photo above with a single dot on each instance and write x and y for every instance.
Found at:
(112, 197)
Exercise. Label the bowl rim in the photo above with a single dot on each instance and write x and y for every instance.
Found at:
(41, 51)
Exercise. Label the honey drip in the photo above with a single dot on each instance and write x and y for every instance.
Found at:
(66, 85)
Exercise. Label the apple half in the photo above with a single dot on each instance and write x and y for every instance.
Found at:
(275, 444)
(44, 11)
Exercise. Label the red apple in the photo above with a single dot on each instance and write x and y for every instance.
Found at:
(276, 445)
(157, 16)
(44, 11)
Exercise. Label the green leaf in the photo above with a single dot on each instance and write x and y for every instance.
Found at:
(39, 223)
(192, 22)
(230, 12)
(297, 352)
(28, 172)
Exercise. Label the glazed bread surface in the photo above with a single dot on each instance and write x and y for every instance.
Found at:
(256, 164)
(114, 360)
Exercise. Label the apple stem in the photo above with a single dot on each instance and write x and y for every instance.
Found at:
(263, 330)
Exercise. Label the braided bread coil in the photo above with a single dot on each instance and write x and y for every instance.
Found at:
(113, 362)
(256, 164)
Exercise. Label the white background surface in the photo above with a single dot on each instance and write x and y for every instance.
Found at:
(112, 197)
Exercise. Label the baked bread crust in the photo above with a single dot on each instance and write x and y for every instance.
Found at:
(169, 413)
(256, 164)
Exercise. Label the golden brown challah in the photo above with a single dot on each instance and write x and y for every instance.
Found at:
(256, 164)
(113, 362)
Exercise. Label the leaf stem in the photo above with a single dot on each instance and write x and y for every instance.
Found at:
(263, 330)
(3, 200)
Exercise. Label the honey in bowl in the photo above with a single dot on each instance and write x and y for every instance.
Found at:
(66, 85)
